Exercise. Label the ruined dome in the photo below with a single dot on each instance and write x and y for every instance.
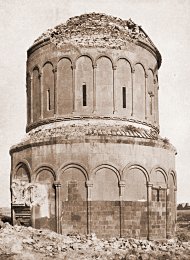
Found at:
(100, 31)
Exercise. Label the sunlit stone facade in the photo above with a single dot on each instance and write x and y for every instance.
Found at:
(92, 160)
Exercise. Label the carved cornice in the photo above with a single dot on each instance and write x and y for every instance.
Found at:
(75, 131)
(72, 118)
(89, 138)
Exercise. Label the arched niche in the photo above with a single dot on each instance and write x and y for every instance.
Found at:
(157, 178)
(123, 87)
(135, 185)
(64, 87)
(73, 197)
(36, 95)
(22, 173)
(84, 85)
(48, 90)
(150, 96)
(45, 209)
(139, 92)
(104, 86)
(73, 185)
(105, 185)
(28, 87)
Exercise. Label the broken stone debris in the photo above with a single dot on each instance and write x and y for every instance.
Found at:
(96, 30)
(26, 243)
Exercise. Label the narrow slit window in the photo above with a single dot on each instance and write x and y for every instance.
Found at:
(158, 195)
(124, 96)
(84, 95)
(48, 100)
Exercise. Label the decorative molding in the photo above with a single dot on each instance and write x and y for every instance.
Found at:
(70, 118)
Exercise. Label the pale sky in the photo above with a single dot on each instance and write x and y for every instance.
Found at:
(167, 22)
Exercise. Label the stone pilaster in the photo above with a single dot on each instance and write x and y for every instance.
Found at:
(149, 199)
(132, 90)
(73, 87)
(55, 91)
(89, 186)
(114, 88)
(152, 109)
(41, 95)
(167, 212)
(29, 95)
(145, 95)
(94, 88)
(121, 194)
(32, 105)
(57, 206)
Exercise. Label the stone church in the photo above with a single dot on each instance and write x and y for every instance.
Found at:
(92, 160)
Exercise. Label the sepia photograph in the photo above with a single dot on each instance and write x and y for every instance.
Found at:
(94, 129)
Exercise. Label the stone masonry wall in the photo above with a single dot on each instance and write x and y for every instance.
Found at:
(157, 213)
(134, 218)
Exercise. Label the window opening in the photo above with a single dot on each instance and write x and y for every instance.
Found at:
(158, 195)
(48, 100)
(84, 94)
(124, 96)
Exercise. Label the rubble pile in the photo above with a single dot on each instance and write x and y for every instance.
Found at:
(20, 242)
(96, 30)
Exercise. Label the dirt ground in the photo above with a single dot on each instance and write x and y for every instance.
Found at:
(22, 243)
